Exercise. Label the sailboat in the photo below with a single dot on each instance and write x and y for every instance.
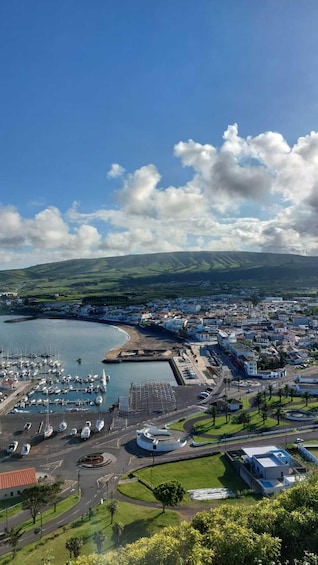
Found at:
(103, 382)
(99, 424)
(48, 428)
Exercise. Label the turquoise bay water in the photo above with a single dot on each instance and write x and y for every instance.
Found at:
(68, 340)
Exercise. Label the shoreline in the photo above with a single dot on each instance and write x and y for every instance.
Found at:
(143, 343)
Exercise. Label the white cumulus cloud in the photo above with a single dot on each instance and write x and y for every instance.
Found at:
(253, 193)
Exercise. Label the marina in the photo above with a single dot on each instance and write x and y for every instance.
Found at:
(56, 382)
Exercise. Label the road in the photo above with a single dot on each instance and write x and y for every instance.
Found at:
(60, 455)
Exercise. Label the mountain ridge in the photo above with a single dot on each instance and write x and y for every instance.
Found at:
(118, 273)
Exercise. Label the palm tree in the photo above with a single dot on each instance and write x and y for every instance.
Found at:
(14, 535)
(99, 538)
(112, 507)
(270, 390)
(212, 411)
(286, 390)
(227, 381)
(226, 407)
(74, 546)
(118, 528)
(264, 412)
(291, 393)
(278, 413)
(280, 393)
(306, 396)
(259, 398)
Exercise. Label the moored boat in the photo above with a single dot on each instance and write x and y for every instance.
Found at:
(99, 424)
(26, 447)
(86, 431)
(99, 400)
(103, 382)
(48, 430)
(62, 426)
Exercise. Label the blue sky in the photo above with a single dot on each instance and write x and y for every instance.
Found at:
(144, 126)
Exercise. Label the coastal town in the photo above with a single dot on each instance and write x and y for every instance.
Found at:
(261, 335)
(235, 360)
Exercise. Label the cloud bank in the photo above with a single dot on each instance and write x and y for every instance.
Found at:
(249, 194)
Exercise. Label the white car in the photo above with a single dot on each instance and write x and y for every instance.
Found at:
(299, 440)
(12, 447)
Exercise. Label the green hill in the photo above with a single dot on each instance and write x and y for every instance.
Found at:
(166, 273)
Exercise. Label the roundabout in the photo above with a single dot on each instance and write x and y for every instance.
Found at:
(96, 460)
(300, 415)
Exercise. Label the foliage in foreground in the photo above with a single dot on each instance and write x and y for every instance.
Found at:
(283, 529)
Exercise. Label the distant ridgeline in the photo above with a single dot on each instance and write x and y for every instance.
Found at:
(129, 278)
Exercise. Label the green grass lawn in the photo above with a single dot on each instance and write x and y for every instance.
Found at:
(204, 430)
(138, 521)
(213, 471)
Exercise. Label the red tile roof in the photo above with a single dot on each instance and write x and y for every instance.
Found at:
(20, 478)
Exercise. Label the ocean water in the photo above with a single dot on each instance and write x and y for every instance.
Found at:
(68, 340)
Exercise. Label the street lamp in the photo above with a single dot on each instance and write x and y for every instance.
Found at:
(78, 480)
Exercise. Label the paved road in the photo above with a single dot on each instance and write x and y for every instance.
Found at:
(59, 456)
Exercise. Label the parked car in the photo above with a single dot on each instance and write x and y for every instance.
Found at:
(299, 440)
(12, 447)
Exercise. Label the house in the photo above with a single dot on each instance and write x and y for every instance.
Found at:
(268, 469)
(13, 483)
(232, 404)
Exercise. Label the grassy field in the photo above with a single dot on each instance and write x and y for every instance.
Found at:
(138, 521)
(203, 428)
(205, 472)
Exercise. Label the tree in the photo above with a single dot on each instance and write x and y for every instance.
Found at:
(227, 382)
(286, 390)
(264, 412)
(14, 535)
(306, 396)
(55, 490)
(280, 393)
(34, 498)
(212, 411)
(74, 546)
(278, 414)
(270, 391)
(169, 493)
(245, 418)
(226, 407)
(259, 399)
(118, 529)
(99, 538)
(112, 507)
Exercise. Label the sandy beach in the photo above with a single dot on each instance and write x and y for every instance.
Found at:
(145, 341)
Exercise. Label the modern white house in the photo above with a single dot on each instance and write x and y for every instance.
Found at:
(158, 439)
(270, 467)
